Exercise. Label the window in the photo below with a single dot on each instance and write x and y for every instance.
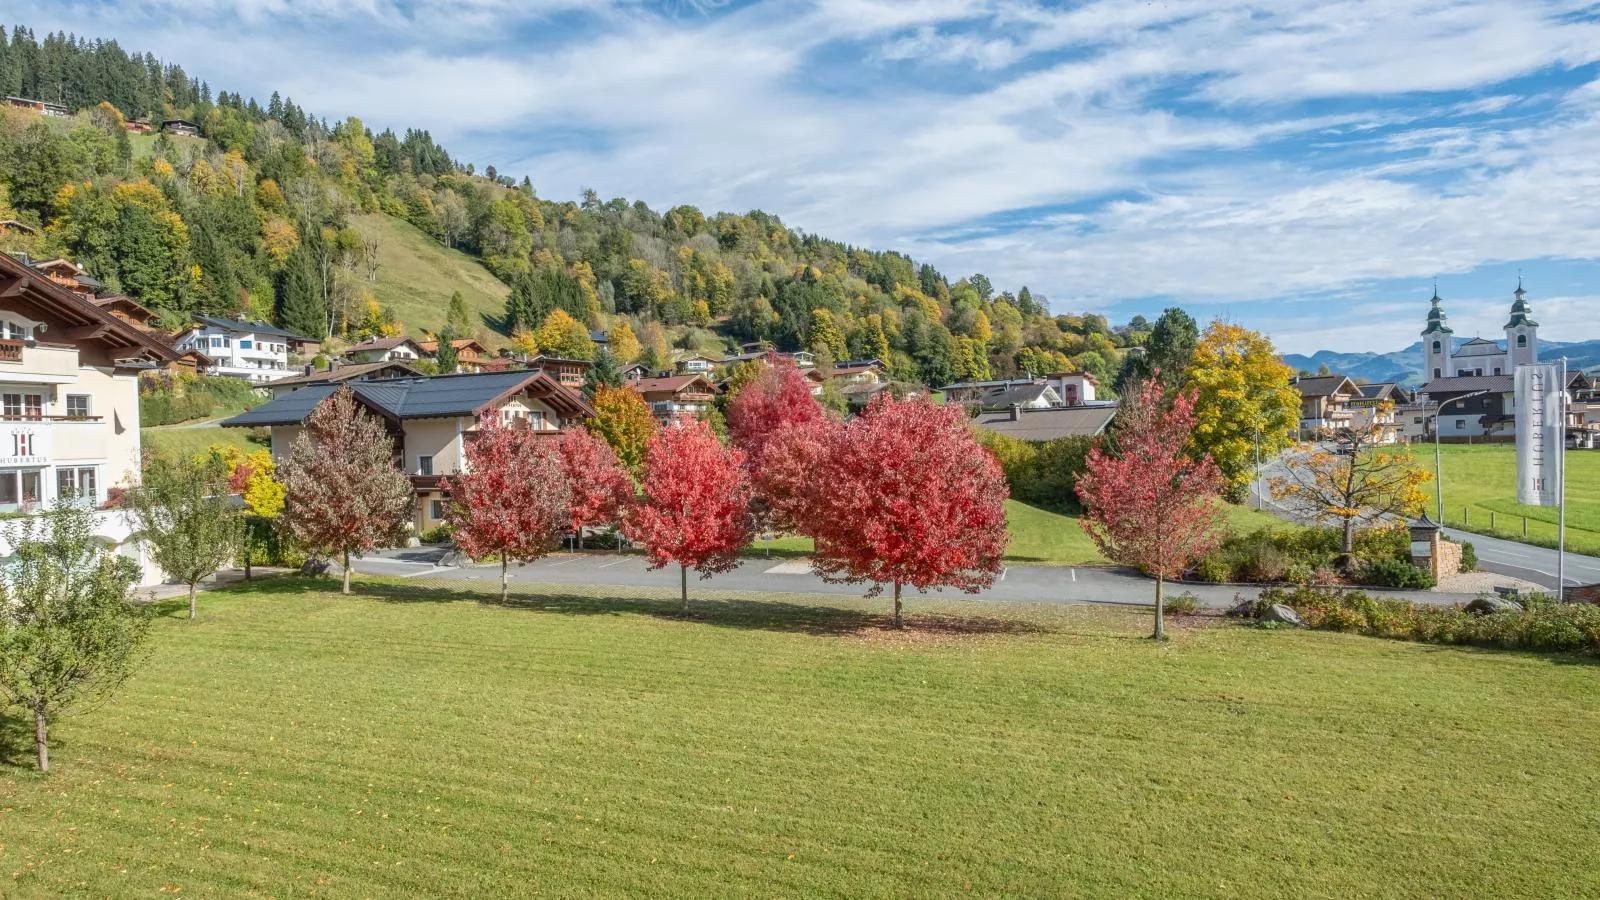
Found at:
(22, 406)
(1522, 340)
(1436, 346)
(1436, 373)
(1461, 424)
(424, 465)
(30, 486)
(244, 345)
(216, 342)
(18, 487)
(536, 420)
(436, 510)
(15, 332)
(76, 482)
(1497, 370)
(78, 406)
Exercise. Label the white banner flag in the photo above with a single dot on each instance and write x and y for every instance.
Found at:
(1539, 450)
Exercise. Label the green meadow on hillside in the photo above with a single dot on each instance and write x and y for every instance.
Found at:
(412, 740)
(416, 276)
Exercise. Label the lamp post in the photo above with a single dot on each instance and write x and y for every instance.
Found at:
(1258, 464)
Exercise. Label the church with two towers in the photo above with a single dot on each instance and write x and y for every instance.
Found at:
(1442, 359)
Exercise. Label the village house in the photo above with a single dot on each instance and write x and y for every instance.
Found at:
(1074, 388)
(430, 419)
(339, 373)
(383, 349)
(1483, 407)
(1376, 410)
(569, 373)
(675, 399)
(1041, 424)
(42, 107)
(1324, 403)
(859, 371)
(128, 310)
(69, 402)
(470, 354)
(180, 126)
(254, 351)
(698, 365)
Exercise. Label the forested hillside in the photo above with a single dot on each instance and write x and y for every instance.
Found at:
(275, 213)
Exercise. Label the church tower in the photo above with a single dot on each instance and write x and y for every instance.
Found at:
(1522, 333)
(1436, 343)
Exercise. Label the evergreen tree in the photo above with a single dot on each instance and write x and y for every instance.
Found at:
(605, 371)
(447, 358)
(299, 305)
(459, 318)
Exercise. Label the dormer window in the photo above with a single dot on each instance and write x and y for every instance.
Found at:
(16, 332)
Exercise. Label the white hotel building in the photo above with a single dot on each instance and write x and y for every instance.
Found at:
(254, 351)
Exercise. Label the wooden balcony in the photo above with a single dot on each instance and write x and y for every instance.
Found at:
(10, 351)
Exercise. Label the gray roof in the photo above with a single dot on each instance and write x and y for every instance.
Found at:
(251, 327)
(346, 372)
(438, 396)
(1049, 424)
(1016, 393)
(1321, 385)
(1463, 384)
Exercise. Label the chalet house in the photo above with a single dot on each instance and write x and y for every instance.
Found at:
(69, 275)
(1324, 403)
(382, 349)
(180, 126)
(431, 419)
(470, 355)
(859, 371)
(1042, 424)
(1074, 388)
(138, 126)
(14, 226)
(128, 310)
(1483, 406)
(69, 402)
(1377, 409)
(42, 107)
(340, 374)
(254, 351)
(674, 399)
(633, 372)
(802, 359)
(698, 365)
(569, 373)
(601, 339)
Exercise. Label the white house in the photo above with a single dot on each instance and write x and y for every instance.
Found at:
(69, 403)
(254, 351)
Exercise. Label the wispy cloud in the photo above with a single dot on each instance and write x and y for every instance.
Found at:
(1113, 154)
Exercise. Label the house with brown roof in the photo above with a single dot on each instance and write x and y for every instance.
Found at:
(128, 310)
(676, 398)
(1324, 403)
(567, 372)
(470, 355)
(431, 420)
(381, 349)
(339, 373)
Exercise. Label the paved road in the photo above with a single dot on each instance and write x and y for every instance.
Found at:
(1033, 584)
(1497, 555)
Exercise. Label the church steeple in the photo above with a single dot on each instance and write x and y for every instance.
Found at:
(1522, 332)
(1437, 343)
(1436, 316)
(1520, 314)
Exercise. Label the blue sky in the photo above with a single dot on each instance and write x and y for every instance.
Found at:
(1307, 167)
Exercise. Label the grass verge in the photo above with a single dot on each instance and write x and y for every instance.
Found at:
(412, 740)
(1480, 493)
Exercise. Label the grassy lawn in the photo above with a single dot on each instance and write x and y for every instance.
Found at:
(177, 440)
(1051, 538)
(416, 277)
(418, 742)
(1481, 479)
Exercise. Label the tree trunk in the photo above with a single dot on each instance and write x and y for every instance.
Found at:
(246, 563)
(347, 571)
(683, 582)
(580, 537)
(504, 588)
(899, 621)
(1161, 627)
(191, 599)
(41, 738)
(1349, 536)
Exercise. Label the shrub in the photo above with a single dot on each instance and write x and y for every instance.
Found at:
(1394, 573)
(1184, 604)
(1543, 625)
(1469, 557)
(1299, 573)
(1213, 568)
(439, 534)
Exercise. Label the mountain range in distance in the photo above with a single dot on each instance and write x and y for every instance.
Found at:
(1405, 366)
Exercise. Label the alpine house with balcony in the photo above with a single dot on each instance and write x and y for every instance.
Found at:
(69, 400)
(254, 351)
(430, 419)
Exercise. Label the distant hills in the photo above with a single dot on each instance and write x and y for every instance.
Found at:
(1405, 366)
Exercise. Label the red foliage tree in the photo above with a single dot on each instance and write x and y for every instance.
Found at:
(343, 492)
(903, 495)
(696, 506)
(1149, 504)
(600, 487)
(789, 479)
(511, 500)
(778, 396)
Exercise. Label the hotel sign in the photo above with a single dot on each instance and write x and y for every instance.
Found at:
(1539, 398)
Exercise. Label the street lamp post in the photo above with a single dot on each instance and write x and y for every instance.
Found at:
(1258, 465)
(1438, 470)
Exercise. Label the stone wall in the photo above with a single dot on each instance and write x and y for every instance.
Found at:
(1448, 560)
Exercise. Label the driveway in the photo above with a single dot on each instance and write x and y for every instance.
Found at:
(1021, 584)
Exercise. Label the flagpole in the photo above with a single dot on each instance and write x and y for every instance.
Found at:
(1561, 494)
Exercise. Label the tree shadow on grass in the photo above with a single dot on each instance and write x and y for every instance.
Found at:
(721, 612)
(16, 742)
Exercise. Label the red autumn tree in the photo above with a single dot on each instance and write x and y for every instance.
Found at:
(1148, 504)
(776, 402)
(903, 495)
(779, 395)
(511, 500)
(696, 506)
(344, 494)
(600, 487)
(789, 479)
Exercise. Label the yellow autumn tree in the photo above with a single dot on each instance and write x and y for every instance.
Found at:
(1241, 388)
(624, 345)
(563, 336)
(1363, 482)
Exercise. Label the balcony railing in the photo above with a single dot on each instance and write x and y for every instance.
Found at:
(10, 351)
